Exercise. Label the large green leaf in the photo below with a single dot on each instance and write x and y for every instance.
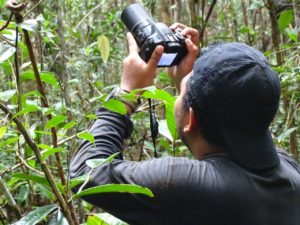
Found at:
(6, 51)
(36, 215)
(158, 94)
(78, 180)
(86, 136)
(95, 220)
(103, 45)
(286, 134)
(8, 141)
(47, 77)
(163, 130)
(109, 188)
(285, 18)
(94, 163)
(69, 125)
(51, 151)
(55, 121)
(110, 219)
(34, 178)
(115, 106)
(27, 109)
(58, 219)
(170, 117)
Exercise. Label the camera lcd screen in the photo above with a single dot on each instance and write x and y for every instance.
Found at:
(167, 59)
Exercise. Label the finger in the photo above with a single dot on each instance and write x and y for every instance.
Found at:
(132, 45)
(177, 25)
(192, 33)
(155, 57)
(192, 49)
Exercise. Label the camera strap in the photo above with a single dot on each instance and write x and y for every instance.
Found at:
(153, 125)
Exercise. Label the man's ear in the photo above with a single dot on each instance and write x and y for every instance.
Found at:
(192, 122)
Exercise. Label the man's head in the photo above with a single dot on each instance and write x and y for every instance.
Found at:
(234, 95)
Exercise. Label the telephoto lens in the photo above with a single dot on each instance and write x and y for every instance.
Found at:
(148, 34)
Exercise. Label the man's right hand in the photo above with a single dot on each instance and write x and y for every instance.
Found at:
(177, 73)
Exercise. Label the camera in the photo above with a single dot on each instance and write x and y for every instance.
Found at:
(148, 34)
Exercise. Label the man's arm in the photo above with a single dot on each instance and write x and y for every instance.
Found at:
(109, 132)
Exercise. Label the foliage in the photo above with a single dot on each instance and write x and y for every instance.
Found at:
(78, 49)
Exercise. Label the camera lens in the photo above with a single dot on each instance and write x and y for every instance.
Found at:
(133, 14)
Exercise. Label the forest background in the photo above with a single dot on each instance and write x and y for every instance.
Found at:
(58, 61)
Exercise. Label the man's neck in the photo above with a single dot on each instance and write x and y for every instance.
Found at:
(201, 148)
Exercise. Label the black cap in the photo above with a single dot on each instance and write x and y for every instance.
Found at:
(236, 85)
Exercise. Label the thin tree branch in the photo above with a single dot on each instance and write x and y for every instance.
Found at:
(39, 157)
(201, 33)
(36, 5)
(7, 22)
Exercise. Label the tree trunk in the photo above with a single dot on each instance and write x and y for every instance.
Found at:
(279, 57)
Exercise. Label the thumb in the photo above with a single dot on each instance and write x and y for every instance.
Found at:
(155, 57)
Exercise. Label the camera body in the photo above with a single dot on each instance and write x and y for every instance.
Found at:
(149, 34)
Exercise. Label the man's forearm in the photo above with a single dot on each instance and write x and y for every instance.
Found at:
(109, 132)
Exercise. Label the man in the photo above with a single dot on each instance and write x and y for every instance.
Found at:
(227, 101)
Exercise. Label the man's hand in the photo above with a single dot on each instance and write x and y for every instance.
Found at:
(136, 73)
(177, 73)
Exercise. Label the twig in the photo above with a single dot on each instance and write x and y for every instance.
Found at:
(206, 20)
(27, 166)
(87, 15)
(44, 101)
(36, 5)
(39, 157)
(7, 22)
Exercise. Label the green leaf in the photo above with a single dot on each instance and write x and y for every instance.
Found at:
(51, 151)
(86, 136)
(27, 109)
(92, 116)
(94, 163)
(45, 191)
(109, 188)
(103, 45)
(47, 77)
(110, 219)
(115, 106)
(69, 125)
(22, 193)
(34, 178)
(58, 219)
(6, 95)
(285, 18)
(95, 220)
(158, 94)
(78, 180)
(9, 141)
(6, 51)
(36, 215)
(55, 121)
(286, 133)
(2, 131)
(2, 3)
(170, 117)
(163, 130)
(30, 25)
